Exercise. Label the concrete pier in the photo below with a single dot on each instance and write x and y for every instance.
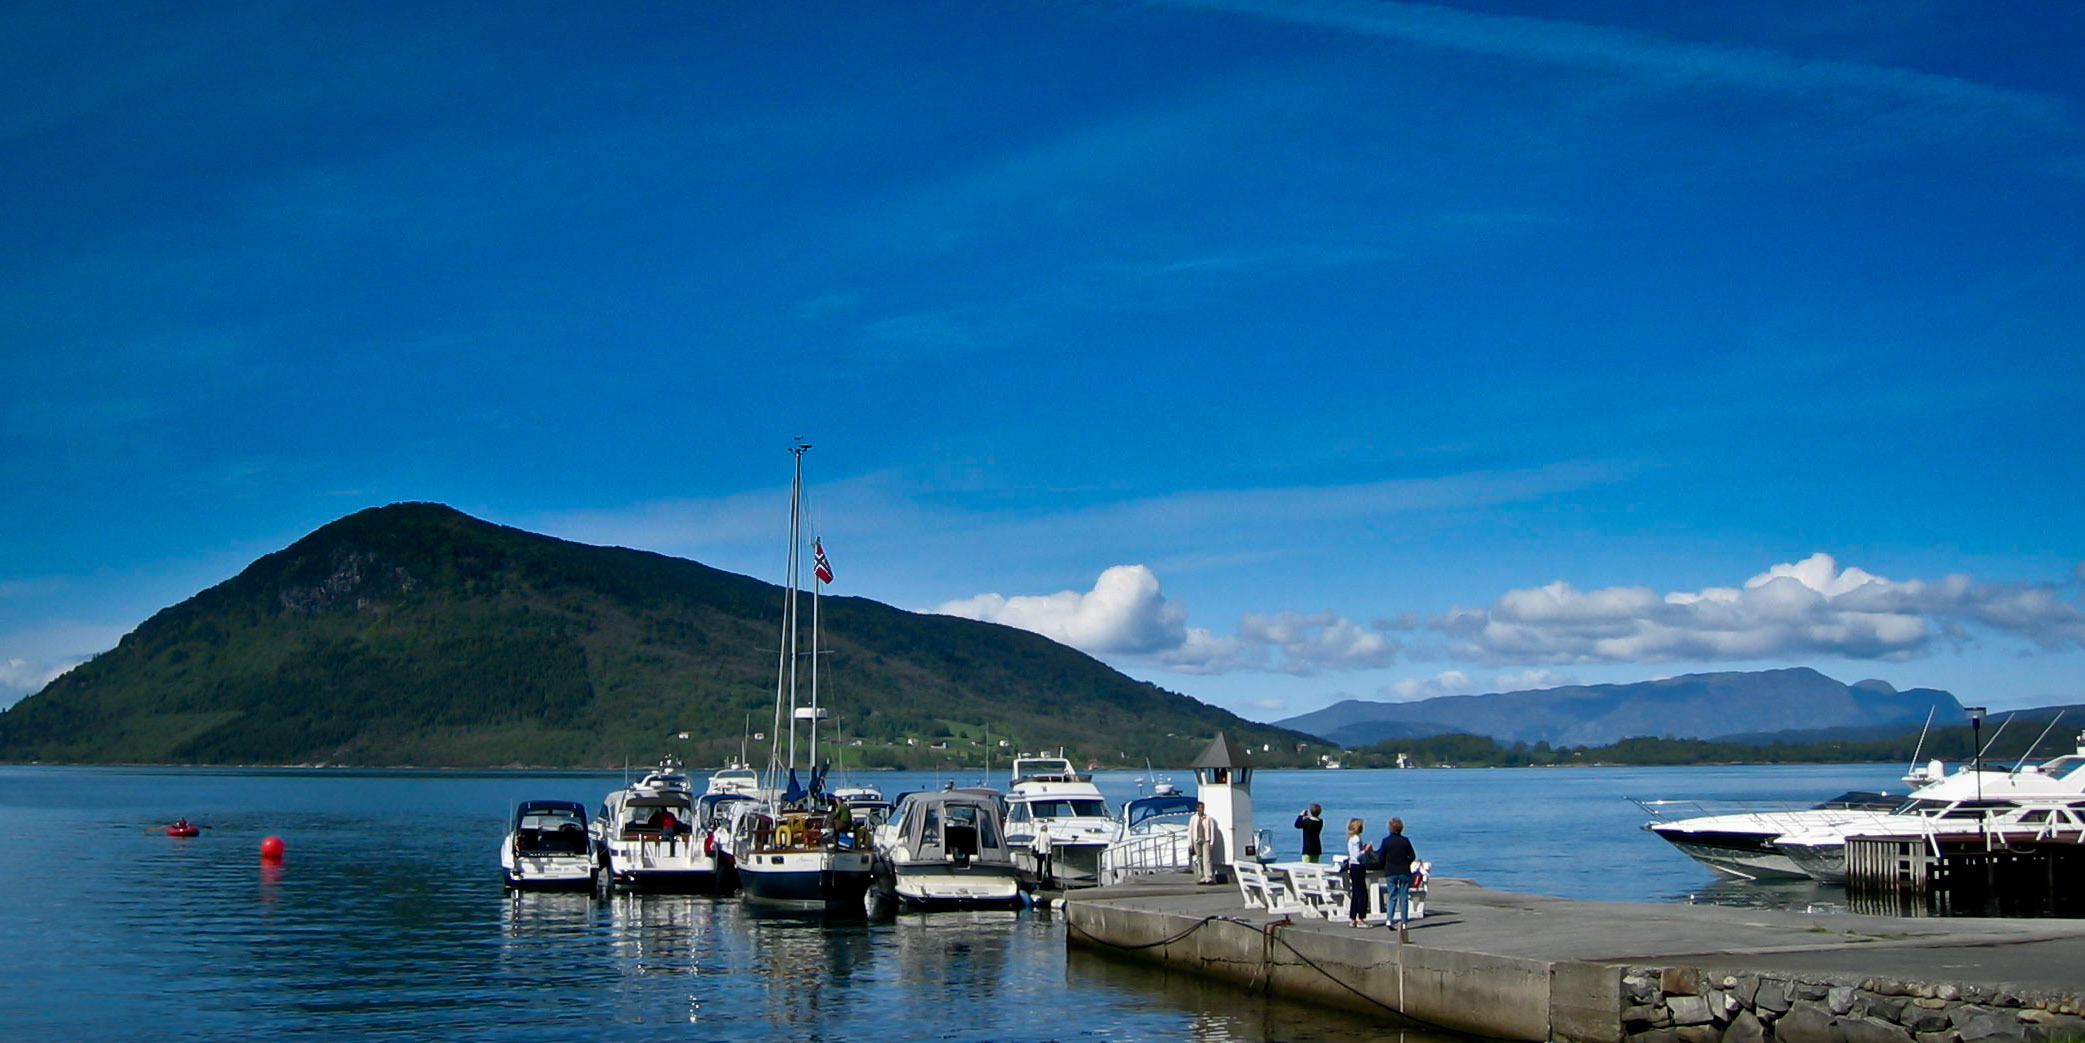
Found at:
(1529, 967)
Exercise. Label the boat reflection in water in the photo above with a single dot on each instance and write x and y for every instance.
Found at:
(814, 967)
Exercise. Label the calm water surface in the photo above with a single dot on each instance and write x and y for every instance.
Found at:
(386, 919)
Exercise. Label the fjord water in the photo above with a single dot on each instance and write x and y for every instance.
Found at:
(386, 919)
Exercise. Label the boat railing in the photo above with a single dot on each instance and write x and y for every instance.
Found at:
(1674, 810)
(1142, 854)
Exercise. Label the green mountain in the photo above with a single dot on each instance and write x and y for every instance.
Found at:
(417, 635)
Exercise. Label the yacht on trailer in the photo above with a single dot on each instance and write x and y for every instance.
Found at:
(1048, 793)
(947, 850)
(797, 847)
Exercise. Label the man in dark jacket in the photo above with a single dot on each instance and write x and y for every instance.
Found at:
(1312, 823)
(1397, 858)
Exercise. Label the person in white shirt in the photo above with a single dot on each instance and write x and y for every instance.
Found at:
(1201, 832)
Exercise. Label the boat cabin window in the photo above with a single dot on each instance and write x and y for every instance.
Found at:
(1062, 807)
(930, 831)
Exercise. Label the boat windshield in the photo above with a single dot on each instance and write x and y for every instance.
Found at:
(1066, 807)
(1145, 809)
(2063, 766)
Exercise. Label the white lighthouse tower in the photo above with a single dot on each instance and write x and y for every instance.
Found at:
(1223, 783)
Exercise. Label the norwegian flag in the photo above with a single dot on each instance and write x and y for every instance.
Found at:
(820, 567)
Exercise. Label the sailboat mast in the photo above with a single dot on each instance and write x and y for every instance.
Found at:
(817, 586)
(795, 649)
(785, 665)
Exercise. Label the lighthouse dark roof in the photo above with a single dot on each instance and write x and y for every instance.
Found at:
(1221, 753)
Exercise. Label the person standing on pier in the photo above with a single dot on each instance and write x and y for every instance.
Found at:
(1357, 874)
(1043, 847)
(1312, 823)
(1396, 858)
(1201, 832)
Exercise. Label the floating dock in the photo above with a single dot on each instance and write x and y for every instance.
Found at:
(1995, 872)
(1528, 967)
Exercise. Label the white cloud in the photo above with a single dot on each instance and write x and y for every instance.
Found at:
(1447, 682)
(1809, 607)
(22, 677)
(1125, 612)
(1530, 680)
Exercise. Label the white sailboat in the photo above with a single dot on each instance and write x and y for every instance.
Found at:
(796, 849)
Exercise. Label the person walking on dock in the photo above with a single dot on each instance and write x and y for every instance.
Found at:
(1312, 823)
(1043, 847)
(1397, 857)
(1357, 874)
(1201, 833)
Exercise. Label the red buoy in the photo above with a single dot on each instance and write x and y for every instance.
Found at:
(271, 848)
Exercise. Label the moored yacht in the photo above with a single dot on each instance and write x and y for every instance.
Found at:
(1048, 793)
(2046, 799)
(799, 848)
(947, 850)
(646, 835)
(548, 848)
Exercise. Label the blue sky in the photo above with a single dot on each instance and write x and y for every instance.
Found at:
(1275, 352)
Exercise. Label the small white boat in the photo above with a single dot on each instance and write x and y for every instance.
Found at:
(648, 839)
(1048, 791)
(548, 848)
(947, 850)
(1154, 837)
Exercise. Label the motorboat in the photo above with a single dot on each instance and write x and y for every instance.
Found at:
(1740, 843)
(1047, 792)
(2037, 799)
(946, 850)
(734, 778)
(647, 838)
(798, 848)
(868, 803)
(1154, 837)
(548, 848)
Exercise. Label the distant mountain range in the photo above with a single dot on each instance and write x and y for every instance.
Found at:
(417, 635)
(1797, 704)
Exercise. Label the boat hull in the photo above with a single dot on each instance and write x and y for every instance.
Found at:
(834, 880)
(946, 885)
(1747, 856)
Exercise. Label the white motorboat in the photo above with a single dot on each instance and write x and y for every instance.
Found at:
(1154, 837)
(797, 848)
(1047, 792)
(1740, 843)
(2046, 799)
(548, 848)
(868, 804)
(647, 837)
(947, 850)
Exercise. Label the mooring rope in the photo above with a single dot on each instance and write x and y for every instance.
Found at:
(1267, 930)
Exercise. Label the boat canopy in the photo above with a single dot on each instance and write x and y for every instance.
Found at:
(953, 825)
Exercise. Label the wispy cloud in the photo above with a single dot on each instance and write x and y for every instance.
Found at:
(1806, 608)
(1801, 609)
(1961, 104)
